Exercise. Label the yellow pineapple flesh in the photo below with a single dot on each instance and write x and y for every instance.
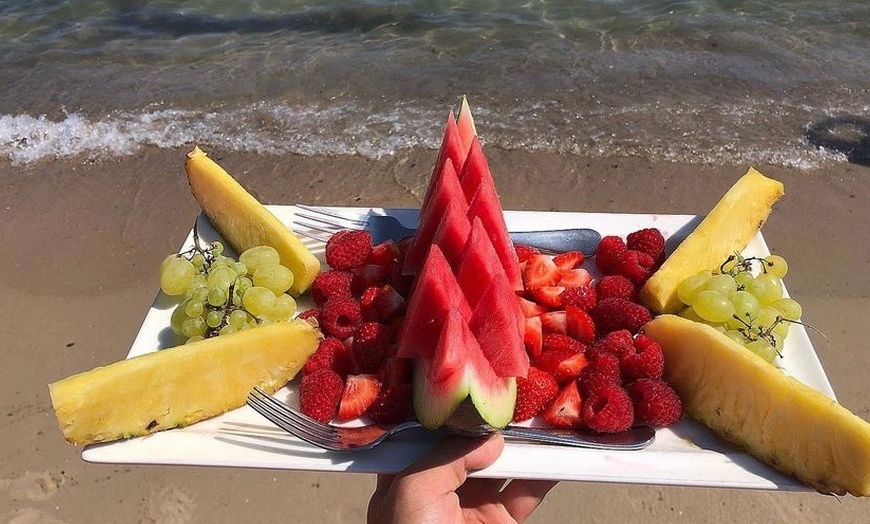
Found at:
(244, 222)
(181, 385)
(779, 420)
(729, 226)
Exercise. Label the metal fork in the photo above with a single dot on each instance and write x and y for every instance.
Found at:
(323, 222)
(334, 438)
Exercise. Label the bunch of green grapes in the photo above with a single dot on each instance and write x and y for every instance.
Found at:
(221, 295)
(744, 300)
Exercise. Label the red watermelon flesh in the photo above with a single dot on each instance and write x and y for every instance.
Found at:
(486, 206)
(445, 191)
(452, 149)
(458, 370)
(435, 293)
(465, 124)
(475, 170)
(453, 232)
(495, 323)
(478, 264)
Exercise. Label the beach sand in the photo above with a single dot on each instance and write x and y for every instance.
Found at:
(82, 240)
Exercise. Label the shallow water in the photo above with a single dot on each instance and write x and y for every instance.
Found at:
(695, 81)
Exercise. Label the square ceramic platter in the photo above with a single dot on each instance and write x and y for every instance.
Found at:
(685, 454)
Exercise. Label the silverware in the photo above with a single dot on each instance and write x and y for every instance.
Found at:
(346, 439)
(320, 223)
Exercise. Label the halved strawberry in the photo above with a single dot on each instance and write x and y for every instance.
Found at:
(568, 260)
(389, 303)
(384, 254)
(574, 277)
(369, 275)
(540, 271)
(360, 391)
(547, 296)
(579, 324)
(564, 411)
(525, 252)
(569, 369)
(554, 322)
(533, 336)
(367, 304)
(530, 309)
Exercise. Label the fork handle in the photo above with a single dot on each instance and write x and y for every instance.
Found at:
(634, 439)
(559, 240)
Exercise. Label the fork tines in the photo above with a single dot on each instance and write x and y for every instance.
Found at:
(320, 222)
(292, 421)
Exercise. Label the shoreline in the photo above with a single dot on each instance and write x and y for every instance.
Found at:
(83, 241)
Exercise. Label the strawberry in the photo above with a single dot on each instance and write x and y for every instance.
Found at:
(534, 392)
(400, 282)
(392, 405)
(565, 410)
(369, 275)
(530, 309)
(384, 254)
(615, 286)
(560, 342)
(389, 303)
(611, 250)
(583, 297)
(340, 317)
(395, 371)
(612, 314)
(645, 360)
(655, 403)
(565, 364)
(547, 296)
(540, 271)
(568, 260)
(608, 410)
(574, 277)
(360, 392)
(554, 322)
(636, 266)
(579, 324)
(533, 336)
(650, 241)
(524, 252)
(320, 393)
(370, 346)
(310, 313)
(348, 249)
(331, 284)
(618, 343)
(367, 304)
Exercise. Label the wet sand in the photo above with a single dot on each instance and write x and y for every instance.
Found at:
(82, 240)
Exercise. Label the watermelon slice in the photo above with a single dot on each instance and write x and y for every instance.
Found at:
(498, 325)
(475, 170)
(457, 373)
(445, 191)
(478, 264)
(486, 206)
(435, 293)
(452, 149)
(453, 231)
(466, 127)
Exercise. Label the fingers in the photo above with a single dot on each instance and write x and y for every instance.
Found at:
(448, 462)
(521, 497)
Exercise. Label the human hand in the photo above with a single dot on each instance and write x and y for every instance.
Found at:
(436, 488)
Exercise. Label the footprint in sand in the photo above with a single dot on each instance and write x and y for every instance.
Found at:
(170, 506)
(30, 516)
(35, 486)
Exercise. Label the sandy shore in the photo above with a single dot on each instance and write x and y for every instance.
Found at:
(82, 241)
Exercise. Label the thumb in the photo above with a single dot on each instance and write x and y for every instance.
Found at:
(449, 461)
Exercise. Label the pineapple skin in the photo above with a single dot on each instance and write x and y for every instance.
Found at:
(784, 423)
(244, 222)
(729, 226)
(178, 386)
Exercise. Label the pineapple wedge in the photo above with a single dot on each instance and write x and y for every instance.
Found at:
(728, 227)
(244, 222)
(781, 421)
(179, 386)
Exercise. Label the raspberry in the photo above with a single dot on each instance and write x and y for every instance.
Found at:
(348, 249)
(584, 297)
(608, 410)
(392, 405)
(340, 317)
(618, 343)
(525, 252)
(655, 403)
(560, 342)
(650, 241)
(331, 284)
(534, 392)
(615, 286)
(646, 360)
(310, 313)
(320, 393)
(324, 356)
(611, 251)
(612, 314)
(370, 346)
(636, 266)
(601, 370)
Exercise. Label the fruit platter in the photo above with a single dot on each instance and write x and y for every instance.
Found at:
(678, 322)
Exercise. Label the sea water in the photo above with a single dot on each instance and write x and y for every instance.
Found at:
(722, 82)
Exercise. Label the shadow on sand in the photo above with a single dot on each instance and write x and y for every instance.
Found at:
(849, 135)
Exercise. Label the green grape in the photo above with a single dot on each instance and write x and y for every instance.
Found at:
(690, 286)
(722, 283)
(240, 268)
(689, 313)
(194, 308)
(199, 280)
(275, 277)
(222, 261)
(243, 284)
(227, 330)
(198, 260)
(195, 338)
(178, 317)
(193, 326)
(259, 301)
(776, 265)
(763, 349)
(214, 319)
(766, 288)
(283, 309)
(781, 332)
(767, 317)
(217, 297)
(176, 275)
(221, 277)
(217, 248)
(238, 319)
(743, 279)
(736, 336)
(200, 294)
(713, 306)
(166, 261)
(256, 257)
(745, 308)
(788, 308)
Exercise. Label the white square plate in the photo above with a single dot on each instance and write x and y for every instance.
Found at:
(685, 454)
